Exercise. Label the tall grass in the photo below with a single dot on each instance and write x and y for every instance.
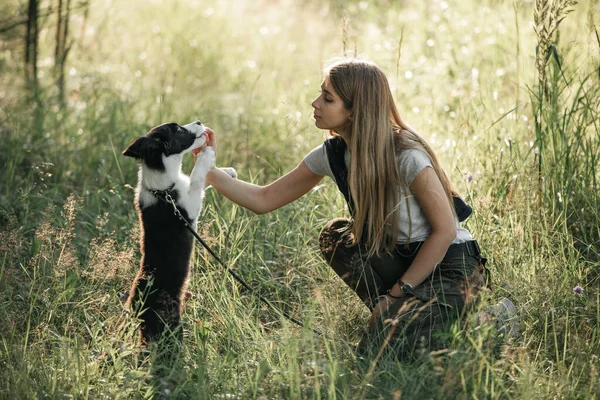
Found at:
(517, 131)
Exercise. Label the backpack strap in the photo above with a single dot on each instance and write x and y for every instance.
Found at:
(336, 151)
(463, 210)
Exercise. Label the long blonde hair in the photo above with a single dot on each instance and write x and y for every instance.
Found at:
(377, 136)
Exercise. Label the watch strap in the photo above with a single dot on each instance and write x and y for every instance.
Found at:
(395, 297)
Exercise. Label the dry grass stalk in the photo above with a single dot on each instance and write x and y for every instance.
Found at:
(547, 16)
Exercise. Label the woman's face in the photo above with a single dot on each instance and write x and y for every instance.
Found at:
(330, 112)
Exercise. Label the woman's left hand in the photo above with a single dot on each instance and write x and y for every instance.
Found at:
(381, 307)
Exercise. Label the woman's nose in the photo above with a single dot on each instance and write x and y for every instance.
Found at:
(314, 103)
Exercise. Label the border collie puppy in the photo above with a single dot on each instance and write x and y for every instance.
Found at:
(166, 244)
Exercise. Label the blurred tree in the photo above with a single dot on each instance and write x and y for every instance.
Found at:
(32, 19)
(31, 46)
(61, 49)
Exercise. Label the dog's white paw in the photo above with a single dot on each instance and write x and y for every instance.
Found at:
(206, 160)
(230, 171)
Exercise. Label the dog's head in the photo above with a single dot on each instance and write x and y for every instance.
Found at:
(166, 140)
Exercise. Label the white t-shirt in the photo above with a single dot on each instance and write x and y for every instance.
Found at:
(411, 163)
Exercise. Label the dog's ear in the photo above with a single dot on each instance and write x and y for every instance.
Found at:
(148, 149)
(142, 148)
(135, 148)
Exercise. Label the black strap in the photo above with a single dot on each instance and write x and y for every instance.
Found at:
(463, 210)
(470, 248)
(408, 251)
(336, 150)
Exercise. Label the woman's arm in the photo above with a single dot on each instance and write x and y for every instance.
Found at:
(263, 199)
(430, 195)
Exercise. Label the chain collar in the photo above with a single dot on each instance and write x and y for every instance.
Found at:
(165, 196)
(162, 194)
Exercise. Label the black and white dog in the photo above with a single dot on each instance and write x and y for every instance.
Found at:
(166, 244)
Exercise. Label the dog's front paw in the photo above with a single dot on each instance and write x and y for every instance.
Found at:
(206, 159)
(230, 171)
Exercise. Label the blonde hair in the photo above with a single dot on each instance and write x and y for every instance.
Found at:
(377, 136)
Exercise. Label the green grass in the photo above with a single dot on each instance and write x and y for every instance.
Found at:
(464, 75)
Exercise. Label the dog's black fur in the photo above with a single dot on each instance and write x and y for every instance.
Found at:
(167, 248)
(167, 139)
(166, 244)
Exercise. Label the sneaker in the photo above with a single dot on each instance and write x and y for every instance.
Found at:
(507, 321)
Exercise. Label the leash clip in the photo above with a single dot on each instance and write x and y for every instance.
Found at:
(170, 200)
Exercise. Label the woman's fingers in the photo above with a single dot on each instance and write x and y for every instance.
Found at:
(382, 306)
(211, 140)
(375, 314)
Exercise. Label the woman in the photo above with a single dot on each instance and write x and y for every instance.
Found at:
(403, 251)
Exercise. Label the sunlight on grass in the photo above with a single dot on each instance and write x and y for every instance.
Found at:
(464, 74)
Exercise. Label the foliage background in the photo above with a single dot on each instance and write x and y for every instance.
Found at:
(515, 129)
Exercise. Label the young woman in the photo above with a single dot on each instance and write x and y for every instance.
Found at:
(403, 251)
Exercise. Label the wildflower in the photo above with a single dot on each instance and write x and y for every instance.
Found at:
(469, 177)
(578, 290)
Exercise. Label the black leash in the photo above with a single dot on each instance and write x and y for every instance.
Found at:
(167, 198)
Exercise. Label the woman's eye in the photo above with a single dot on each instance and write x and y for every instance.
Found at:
(327, 100)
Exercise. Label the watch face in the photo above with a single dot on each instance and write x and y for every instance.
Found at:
(405, 288)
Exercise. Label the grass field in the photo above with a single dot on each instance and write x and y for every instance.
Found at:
(520, 138)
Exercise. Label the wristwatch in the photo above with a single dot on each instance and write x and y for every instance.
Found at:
(405, 288)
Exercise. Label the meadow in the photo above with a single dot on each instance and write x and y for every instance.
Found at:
(506, 92)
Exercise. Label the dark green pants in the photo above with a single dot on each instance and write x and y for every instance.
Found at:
(419, 321)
